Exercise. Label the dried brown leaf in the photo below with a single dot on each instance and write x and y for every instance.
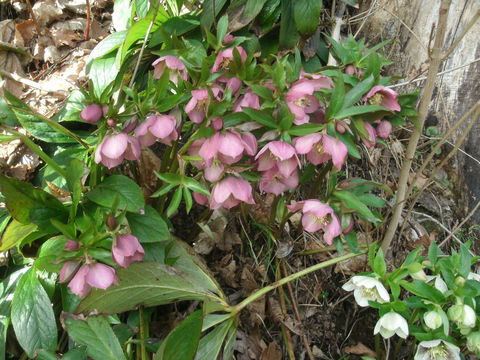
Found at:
(360, 349)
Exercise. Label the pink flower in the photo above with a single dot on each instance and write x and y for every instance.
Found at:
(230, 192)
(321, 148)
(130, 125)
(224, 58)
(196, 108)
(383, 96)
(200, 198)
(372, 135)
(126, 250)
(278, 154)
(71, 245)
(217, 123)
(114, 148)
(96, 275)
(232, 83)
(228, 39)
(318, 216)
(174, 64)
(300, 99)
(250, 100)
(67, 270)
(383, 129)
(160, 127)
(92, 113)
(274, 183)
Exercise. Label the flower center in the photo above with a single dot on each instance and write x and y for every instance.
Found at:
(319, 148)
(376, 99)
(324, 220)
(438, 352)
(225, 62)
(303, 102)
(370, 293)
(202, 105)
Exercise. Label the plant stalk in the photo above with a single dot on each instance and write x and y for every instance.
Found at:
(143, 334)
(259, 293)
(402, 193)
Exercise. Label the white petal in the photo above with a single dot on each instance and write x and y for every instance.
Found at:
(440, 284)
(386, 334)
(383, 292)
(359, 298)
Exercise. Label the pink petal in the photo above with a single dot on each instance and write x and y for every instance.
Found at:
(241, 189)
(174, 62)
(114, 146)
(250, 143)
(78, 284)
(163, 126)
(337, 149)
(304, 144)
(200, 198)
(67, 270)
(133, 149)
(214, 172)
(221, 191)
(287, 167)
(231, 144)
(310, 223)
(209, 149)
(332, 230)
(281, 149)
(100, 276)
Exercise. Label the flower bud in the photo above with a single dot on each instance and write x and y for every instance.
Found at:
(111, 222)
(92, 113)
(463, 315)
(130, 125)
(432, 319)
(105, 110)
(416, 272)
(455, 313)
(340, 127)
(71, 245)
(473, 342)
(460, 281)
(111, 122)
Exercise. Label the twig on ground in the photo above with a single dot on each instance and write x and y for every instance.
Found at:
(285, 331)
(417, 132)
(458, 227)
(89, 21)
(31, 83)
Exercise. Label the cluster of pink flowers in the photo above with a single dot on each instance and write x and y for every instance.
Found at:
(81, 277)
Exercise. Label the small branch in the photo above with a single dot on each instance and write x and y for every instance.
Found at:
(452, 234)
(89, 21)
(455, 43)
(31, 83)
(417, 131)
(283, 307)
(336, 30)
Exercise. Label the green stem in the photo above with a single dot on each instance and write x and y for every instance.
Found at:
(36, 149)
(258, 294)
(143, 334)
(325, 249)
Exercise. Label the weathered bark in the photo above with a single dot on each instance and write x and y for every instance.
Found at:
(456, 91)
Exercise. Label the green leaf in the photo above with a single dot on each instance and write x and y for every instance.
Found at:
(102, 72)
(75, 172)
(356, 93)
(422, 289)
(141, 7)
(222, 28)
(194, 185)
(307, 16)
(149, 227)
(7, 288)
(352, 202)
(337, 99)
(107, 45)
(358, 110)
(288, 36)
(96, 333)
(379, 265)
(122, 10)
(208, 9)
(187, 196)
(351, 145)
(50, 252)
(149, 284)
(170, 178)
(175, 201)
(7, 116)
(176, 346)
(261, 117)
(32, 316)
(305, 129)
(15, 233)
(30, 205)
(211, 344)
(120, 189)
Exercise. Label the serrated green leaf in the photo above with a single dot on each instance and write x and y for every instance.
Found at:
(211, 344)
(149, 227)
(210, 9)
(194, 185)
(307, 16)
(288, 36)
(337, 99)
(358, 110)
(352, 202)
(102, 72)
(422, 289)
(356, 93)
(305, 129)
(107, 45)
(260, 116)
(175, 201)
(96, 333)
(32, 316)
(122, 10)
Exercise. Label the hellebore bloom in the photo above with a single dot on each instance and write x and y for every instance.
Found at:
(126, 250)
(67, 270)
(114, 148)
(391, 323)
(372, 135)
(439, 283)
(274, 183)
(224, 58)
(383, 96)
(383, 129)
(437, 350)
(278, 154)
(250, 100)
(233, 83)
(433, 319)
(473, 342)
(174, 64)
(71, 245)
(92, 113)
(96, 275)
(300, 99)
(197, 106)
(321, 148)
(200, 199)
(318, 216)
(367, 289)
(463, 315)
(159, 127)
(230, 192)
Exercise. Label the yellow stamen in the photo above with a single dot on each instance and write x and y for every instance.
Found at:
(376, 99)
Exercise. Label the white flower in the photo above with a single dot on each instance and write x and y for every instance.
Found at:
(432, 319)
(366, 288)
(473, 342)
(437, 350)
(391, 323)
(463, 315)
(473, 276)
(439, 284)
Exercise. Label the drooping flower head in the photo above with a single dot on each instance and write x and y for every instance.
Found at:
(318, 216)
(437, 350)
(232, 83)
(158, 127)
(278, 154)
(196, 108)
(175, 66)
(300, 98)
(249, 99)
(92, 113)
(273, 182)
(115, 148)
(321, 148)
(224, 58)
(391, 323)
(95, 275)
(372, 135)
(384, 128)
(383, 96)
(126, 250)
(230, 192)
(366, 289)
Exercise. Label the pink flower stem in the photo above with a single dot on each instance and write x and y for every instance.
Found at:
(319, 179)
(143, 333)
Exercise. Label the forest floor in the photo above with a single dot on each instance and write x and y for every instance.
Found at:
(43, 60)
